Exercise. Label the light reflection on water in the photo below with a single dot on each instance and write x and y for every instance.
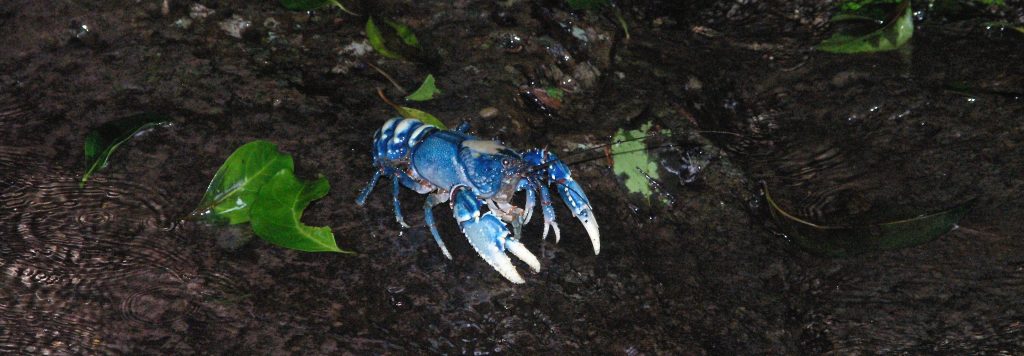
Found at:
(81, 266)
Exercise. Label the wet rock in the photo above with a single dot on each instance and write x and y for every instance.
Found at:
(556, 50)
(585, 76)
(183, 23)
(555, 74)
(236, 26)
(82, 34)
(488, 112)
(271, 23)
(349, 57)
(510, 42)
(356, 49)
(198, 12)
(686, 163)
(693, 84)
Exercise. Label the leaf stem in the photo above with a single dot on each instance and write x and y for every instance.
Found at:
(388, 77)
(342, 7)
(768, 197)
(380, 93)
(622, 21)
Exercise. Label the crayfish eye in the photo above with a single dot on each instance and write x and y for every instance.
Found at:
(505, 162)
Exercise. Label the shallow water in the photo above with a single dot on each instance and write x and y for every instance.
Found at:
(112, 267)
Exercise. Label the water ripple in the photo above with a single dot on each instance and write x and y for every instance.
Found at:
(84, 269)
(163, 301)
(19, 164)
(107, 225)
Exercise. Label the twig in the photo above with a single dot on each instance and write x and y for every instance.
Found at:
(388, 77)
(380, 93)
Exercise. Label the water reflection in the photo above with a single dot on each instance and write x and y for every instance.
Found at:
(82, 268)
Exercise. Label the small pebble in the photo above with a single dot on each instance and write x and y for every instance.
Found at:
(235, 26)
(183, 23)
(488, 112)
(198, 11)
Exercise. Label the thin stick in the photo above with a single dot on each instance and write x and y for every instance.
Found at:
(388, 77)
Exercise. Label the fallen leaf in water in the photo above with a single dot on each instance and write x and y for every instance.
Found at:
(101, 142)
(234, 187)
(257, 184)
(896, 30)
(839, 241)
(277, 214)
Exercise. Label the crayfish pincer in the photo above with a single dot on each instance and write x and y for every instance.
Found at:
(470, 173)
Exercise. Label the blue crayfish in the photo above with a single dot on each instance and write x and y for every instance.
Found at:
(472, 173)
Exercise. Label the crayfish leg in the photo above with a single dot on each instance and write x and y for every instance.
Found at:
(395, 188)
(369, 188)
(549, 213)
(428, 216)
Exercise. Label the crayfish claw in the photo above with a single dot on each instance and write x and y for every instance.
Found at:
(519, 250)
(592, 230)
(573, 196)
(488, 236)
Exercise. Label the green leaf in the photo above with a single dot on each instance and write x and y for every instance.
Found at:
(426, 91)
(896, 32)
(633, 161)
(235, 186)
(101, 142)
(421, 115)
(586, 4)
(377, 40)
(856, 5)
(304, 5)
(395, 32)
(404, 32)
(555, 92)
(277, 213)
(839, 241)
(992, 2)
(308, 5)
(844, 17)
